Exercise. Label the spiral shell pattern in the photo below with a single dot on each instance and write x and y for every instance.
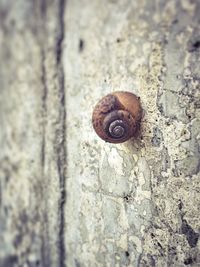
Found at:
(117, 116)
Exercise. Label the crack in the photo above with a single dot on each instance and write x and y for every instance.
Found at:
(45, 246)
(60, 134)
(44, 106)
(61, 145)
(61, 166)
(43, 8)
(45, 237)
(61, 6)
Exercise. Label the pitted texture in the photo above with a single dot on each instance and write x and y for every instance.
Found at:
(67, 198)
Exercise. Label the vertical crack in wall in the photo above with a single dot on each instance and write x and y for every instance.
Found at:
(60, 133)
(61, 148)
(45, 249)
(44, 105)
(61, 29)
(45, 236)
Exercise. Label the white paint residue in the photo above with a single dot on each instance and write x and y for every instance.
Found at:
(132, 176)
(122, 243)
(142, 229)
(135, 157)
(123, 218)
(137, 242)
(115, 161)
(140, 194)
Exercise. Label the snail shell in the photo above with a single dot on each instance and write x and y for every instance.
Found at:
(116, 117)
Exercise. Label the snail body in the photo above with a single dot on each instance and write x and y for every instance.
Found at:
(116, 117)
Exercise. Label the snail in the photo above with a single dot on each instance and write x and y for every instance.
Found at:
(117, 116)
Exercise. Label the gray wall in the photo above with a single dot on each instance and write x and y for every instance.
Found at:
(68, 198)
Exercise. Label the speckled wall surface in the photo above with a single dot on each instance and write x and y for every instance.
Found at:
(67, 198)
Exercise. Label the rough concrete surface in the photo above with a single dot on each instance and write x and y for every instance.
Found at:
(67, 198)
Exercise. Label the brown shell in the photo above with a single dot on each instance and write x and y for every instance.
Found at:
(123, 106)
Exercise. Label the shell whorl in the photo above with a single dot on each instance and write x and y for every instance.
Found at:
(116, 129)
(116, 117)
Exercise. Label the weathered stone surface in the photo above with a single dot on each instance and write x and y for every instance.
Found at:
(68, 198)
(32, 157)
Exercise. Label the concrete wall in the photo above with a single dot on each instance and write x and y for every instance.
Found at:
(68, 198)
